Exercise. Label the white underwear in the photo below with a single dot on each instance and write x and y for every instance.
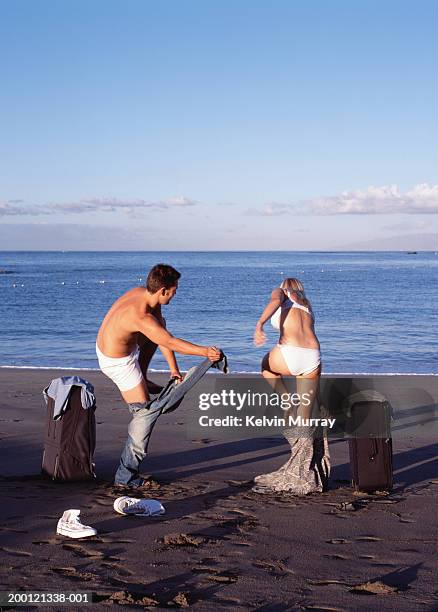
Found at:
(300, 361)
(125, 372)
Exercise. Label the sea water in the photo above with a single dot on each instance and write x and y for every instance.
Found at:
(375, 312)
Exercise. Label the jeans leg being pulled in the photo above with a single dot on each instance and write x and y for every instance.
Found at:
(139, 433)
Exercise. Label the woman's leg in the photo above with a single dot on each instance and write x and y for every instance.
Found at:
(307, 389)
(274, 368)
(308, 467)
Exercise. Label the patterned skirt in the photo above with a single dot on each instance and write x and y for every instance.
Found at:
(306, 471)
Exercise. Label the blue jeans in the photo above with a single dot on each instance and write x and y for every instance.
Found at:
(144, 418)
(139, 433)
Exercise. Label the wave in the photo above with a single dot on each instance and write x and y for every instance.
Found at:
(156, 371)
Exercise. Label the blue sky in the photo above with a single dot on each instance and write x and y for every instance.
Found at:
(218, 124)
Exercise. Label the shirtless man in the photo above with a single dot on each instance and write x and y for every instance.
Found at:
(127, 339)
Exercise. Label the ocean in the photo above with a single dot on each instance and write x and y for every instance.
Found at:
(376, 312)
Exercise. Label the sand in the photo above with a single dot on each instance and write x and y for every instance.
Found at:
(219, 545)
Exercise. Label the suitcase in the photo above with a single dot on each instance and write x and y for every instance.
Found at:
(371, 446)
(70, 441)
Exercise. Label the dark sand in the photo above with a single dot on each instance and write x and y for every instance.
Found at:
(219, 546)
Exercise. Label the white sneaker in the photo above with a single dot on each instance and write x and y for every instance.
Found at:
(69, 525)
(138, 507)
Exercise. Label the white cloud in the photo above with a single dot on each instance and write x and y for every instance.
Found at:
(11, 209)
(272, 209)
(421, 199)
(95, 204)
(179, 201)
(385, 200)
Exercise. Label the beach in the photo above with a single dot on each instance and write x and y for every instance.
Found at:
(219, 545)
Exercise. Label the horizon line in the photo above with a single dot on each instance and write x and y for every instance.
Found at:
(408, 251)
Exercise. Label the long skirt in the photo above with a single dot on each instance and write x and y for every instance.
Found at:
(306, 471)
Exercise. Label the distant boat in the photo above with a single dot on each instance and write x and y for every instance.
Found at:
(412, 253)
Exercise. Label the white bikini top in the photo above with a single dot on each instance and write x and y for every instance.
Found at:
(287, 305)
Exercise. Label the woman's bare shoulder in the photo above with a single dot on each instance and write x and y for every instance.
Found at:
(277, 294)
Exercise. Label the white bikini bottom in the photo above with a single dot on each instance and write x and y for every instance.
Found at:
(300, 361)
(124, 371)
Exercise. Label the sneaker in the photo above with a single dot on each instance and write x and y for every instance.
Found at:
(138, 507)
(69, 525)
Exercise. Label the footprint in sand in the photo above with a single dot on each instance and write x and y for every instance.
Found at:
(123, 571)
(73, 574)
(223, 577)
(277, 568)
(205, 569)
(244, 513)
(44, 542)
(81, 551)
(181, 539)
(336, 557)
(114, 540)
(327, 582)
(16, 553)
(376, 587)
(126, 598)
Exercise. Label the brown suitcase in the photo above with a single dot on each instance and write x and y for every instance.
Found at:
(70, 441)
(371, 448)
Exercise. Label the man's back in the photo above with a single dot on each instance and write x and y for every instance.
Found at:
(118, 333)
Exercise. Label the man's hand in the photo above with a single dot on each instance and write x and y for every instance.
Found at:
(213, 353)
(176, 374)
(259, 336)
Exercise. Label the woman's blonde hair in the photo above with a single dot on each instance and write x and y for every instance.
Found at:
(295, 286)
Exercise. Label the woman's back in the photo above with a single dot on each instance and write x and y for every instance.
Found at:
(295, 320)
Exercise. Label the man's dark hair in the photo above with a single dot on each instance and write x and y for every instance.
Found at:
(161, 276)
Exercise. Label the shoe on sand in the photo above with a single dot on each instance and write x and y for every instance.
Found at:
(138, 507)
(69, 525)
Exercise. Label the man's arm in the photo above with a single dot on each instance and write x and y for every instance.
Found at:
(169, 355)
(152, 329)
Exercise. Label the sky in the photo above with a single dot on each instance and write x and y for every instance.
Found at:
(218, 125)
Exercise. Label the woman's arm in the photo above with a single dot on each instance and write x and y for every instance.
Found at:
(273, 304)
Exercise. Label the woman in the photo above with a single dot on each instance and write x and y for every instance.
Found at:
(296, 354)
